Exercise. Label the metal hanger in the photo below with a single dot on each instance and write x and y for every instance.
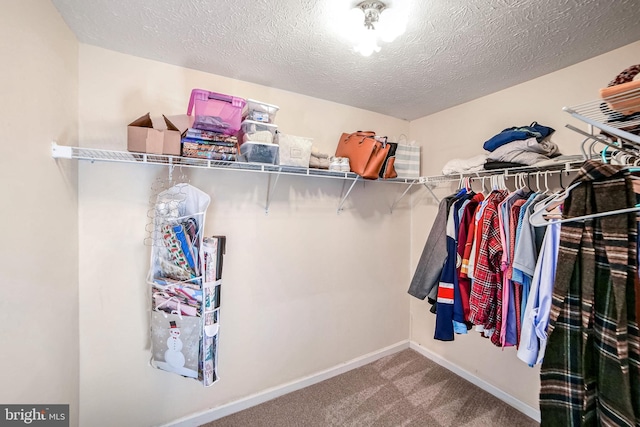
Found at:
(546, 183)
(537, 216)
(539, 221)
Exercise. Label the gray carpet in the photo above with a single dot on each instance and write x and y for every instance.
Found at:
(403, 389)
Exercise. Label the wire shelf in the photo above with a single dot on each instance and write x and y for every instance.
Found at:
(621, 122)
(99, 155)
(567, 166)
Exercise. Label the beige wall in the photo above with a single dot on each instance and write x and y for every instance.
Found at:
(304, 289)
(39, 264)
(459, 132)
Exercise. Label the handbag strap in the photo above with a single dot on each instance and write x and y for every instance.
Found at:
(625, 76)
(359, 136)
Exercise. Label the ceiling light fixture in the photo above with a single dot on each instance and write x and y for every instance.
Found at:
(380, 22)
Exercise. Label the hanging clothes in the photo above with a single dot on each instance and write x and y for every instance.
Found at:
(427, 275)
(533, 337)
(465, 240)
(486, 291)
(504, 216)
(449, 278)
(526, 252)
(591, 370)
(510, 333)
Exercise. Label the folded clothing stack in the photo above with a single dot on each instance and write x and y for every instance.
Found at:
(520, 146)
(526, 152)
(534, 130)
(513, 147)
(473, 164)
(319, 160)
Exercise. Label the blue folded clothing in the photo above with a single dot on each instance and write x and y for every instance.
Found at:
(535, 130)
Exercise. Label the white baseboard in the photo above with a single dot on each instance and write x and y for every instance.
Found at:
(258, 398)
(489, 388)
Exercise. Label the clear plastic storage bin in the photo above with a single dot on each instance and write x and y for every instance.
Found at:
(251, 130)
(258, 152)
(260, 111)
(215, 111)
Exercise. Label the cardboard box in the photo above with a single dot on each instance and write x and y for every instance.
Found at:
(144, 137)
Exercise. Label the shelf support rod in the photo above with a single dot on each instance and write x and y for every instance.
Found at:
(400, 198)
(171, 166)
(431, 191)
(344, 198)
(270, 190)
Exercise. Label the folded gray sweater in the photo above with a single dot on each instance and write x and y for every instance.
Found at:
(526, 152)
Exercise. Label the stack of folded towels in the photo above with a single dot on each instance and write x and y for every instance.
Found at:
(318, 159)
(513, 147)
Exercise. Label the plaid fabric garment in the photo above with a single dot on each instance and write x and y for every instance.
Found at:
(461, 304)
(487, 286)
(591, 371)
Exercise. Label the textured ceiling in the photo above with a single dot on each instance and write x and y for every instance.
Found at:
(453, 50)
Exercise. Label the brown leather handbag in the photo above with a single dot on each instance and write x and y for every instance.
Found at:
(366, 155)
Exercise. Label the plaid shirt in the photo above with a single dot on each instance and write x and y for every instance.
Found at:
(486, 291)
(591, 371)
(461, 312)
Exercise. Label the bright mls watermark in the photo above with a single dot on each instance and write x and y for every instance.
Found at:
(35, 415)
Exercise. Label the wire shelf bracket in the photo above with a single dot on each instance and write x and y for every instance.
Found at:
(344, 196)
(270, 190)
(395, 203)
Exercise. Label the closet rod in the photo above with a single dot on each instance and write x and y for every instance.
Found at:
(570, 166)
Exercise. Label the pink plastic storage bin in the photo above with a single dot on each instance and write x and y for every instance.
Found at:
(215, 111)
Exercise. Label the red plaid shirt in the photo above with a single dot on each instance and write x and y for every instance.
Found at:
(487, 285)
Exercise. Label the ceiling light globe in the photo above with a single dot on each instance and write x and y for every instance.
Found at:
(392, 24)
(353, 27)
(368, 44)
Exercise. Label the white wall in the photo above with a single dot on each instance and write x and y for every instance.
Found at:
(304, 289)
(39, 219)
(459, 132)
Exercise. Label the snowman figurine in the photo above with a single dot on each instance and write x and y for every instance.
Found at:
(173, 356)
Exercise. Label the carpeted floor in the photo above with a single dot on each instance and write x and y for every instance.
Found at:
(403, 389)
